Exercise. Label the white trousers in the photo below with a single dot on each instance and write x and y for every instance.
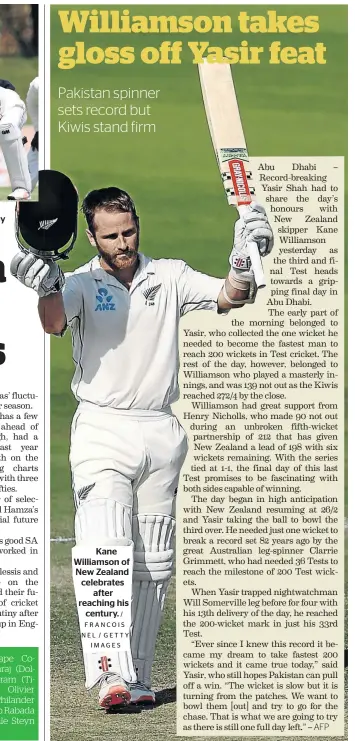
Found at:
(133, 457)
(125, 471)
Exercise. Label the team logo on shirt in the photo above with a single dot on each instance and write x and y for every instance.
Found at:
(150, 294)
(84, 491)
(104, 301)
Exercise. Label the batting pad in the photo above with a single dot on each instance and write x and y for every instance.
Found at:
(15, 156)
(104, 608)
(152, 570)
(97, 519)
(102, 523)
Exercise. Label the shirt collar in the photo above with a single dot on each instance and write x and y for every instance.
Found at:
(145, 268)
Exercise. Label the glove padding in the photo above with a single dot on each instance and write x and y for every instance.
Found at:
(252, 226)
(45, 277)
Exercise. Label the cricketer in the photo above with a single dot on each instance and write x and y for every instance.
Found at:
(13, 116)
(127, 448)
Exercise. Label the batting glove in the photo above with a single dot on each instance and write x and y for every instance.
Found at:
(45, 277)
(252, 226)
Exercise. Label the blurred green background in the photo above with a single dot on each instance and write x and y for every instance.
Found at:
(289, 110)
(19, 44)
(20, 72)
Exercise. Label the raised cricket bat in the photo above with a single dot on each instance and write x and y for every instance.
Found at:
(227, 135)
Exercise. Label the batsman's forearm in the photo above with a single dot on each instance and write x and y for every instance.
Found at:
(237, 295)
(51, 313)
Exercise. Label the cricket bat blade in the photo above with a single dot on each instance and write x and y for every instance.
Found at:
(225, 125)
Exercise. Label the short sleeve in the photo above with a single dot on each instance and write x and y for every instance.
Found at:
(197, 290)
(72, 298)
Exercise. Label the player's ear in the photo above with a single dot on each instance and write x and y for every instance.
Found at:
(91, 238)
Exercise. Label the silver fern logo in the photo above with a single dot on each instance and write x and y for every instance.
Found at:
(46, 224)
(84, 491)
(150, 294)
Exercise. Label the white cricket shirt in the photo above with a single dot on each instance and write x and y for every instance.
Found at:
(125, 342)
(9, 99)
(32, 102)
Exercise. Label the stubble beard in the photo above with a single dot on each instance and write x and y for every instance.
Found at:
(122, 261)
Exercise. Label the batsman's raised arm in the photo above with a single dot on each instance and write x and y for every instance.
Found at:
(239, 287)
(47, 279)
(52, 313)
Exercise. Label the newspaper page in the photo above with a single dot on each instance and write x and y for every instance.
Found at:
(173, 365)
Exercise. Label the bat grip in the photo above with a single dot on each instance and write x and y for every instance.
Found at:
(255, 257)
(256, 265)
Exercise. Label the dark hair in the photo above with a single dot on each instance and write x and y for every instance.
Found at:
(110, 199)
(7, 85)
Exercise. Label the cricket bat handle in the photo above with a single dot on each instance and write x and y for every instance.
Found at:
(257, 265)
(255, 259)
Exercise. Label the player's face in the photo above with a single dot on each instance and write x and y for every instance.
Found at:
(116, 238)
